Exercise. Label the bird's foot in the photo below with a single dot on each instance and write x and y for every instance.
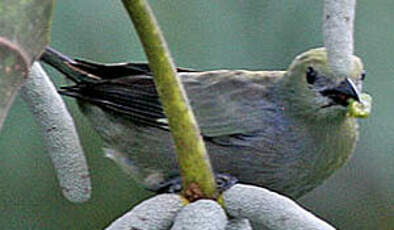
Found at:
(223, 182)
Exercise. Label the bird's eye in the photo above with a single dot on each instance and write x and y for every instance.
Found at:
(363, 75)
(311, 75)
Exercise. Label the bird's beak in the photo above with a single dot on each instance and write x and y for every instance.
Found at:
(343, 92)
(348, 89)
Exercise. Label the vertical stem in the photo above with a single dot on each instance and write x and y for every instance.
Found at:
(190, 148)
(338, 22)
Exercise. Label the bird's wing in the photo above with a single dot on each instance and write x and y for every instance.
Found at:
(226, 103)
(231, 103)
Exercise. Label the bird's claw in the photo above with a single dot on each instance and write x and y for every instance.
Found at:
(223, 182)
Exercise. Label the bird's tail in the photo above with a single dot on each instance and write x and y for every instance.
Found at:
(63, 64)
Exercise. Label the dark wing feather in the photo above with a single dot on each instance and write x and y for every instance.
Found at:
(135, 97)
(116, 70)
(125, 88)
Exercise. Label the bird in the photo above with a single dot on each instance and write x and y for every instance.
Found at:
(284, 130)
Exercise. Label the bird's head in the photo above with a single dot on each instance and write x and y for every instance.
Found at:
(315, 89)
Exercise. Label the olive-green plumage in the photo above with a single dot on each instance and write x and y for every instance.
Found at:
(285, 130)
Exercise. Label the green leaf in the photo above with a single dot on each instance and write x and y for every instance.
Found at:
(24, 32)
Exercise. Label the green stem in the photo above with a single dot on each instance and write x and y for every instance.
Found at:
(190, 148)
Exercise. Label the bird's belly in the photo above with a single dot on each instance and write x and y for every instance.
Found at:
(290, 167)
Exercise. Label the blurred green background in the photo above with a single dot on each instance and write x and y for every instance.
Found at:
(204, 34)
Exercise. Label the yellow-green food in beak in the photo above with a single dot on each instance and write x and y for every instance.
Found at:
(361, 109)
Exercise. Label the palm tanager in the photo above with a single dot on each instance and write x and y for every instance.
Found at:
(284, 130)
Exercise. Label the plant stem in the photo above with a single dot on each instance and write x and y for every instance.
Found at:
(338, 23)
(190, 148)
